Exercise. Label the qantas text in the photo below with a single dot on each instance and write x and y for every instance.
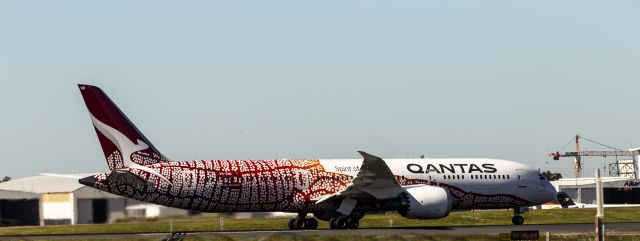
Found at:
(452, 168)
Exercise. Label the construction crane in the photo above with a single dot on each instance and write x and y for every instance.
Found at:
(577, 155)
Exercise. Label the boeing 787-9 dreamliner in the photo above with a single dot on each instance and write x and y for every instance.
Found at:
(340, 191)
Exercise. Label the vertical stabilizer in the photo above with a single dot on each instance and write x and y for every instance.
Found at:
(122, 143)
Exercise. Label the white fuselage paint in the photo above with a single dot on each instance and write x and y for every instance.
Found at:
(502, 177)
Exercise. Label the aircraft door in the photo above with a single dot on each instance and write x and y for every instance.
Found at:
(302, 179)
(188, 180)
(522, 181)
(432, 174)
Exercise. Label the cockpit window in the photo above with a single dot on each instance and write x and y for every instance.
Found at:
(541, 177)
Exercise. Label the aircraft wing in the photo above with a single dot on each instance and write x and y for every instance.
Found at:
(374, 179)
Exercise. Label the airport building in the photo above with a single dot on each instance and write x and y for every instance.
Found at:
(50, 200)
(617, 190)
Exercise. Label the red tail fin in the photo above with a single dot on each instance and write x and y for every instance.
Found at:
(122, 143)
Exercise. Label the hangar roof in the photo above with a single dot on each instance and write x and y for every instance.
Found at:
(42, 184)
(51, 183)
(586, 181)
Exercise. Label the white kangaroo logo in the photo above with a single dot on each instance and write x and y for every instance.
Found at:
(125, 145)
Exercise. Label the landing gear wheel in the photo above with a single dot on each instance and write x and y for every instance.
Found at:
(311, 223)
(297, 224)
(300, 223)
(338, 222)
(341, 222)
(352, 223)
(517, 220)
(291, 225)
(344, 222)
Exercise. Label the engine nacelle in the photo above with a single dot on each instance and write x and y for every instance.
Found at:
(424, 202)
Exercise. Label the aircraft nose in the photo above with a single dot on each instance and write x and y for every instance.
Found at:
(549, 191)
(88, 181)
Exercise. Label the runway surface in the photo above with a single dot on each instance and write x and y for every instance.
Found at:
(412, 231)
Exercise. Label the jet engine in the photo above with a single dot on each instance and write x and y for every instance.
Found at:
(424, 202)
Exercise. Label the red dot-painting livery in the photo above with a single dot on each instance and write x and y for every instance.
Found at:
(340, 191)
(230, 185)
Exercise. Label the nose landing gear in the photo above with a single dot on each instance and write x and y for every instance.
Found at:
(301, 222)
(517, 219)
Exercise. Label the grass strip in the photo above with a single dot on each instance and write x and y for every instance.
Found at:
(205, 224)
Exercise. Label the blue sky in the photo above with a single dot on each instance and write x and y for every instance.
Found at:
(298, 79)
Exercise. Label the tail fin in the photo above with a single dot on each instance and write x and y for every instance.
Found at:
(122, 143)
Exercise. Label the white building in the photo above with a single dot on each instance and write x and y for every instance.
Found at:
(47, 200)
(617, 190)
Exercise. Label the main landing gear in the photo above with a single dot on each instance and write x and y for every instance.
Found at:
(517, 219)
(344, 222)
(301, 222)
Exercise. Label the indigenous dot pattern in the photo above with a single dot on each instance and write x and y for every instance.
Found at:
(463, 200)
(233, 186)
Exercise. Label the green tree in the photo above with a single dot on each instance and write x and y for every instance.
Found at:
(552, 176)
(5, 179)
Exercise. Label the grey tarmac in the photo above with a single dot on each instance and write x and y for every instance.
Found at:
(400, 231)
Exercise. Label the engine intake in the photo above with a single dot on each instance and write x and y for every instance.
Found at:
(424, 202)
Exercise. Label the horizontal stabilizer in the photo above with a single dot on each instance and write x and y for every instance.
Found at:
(125, 177)
(70, 176)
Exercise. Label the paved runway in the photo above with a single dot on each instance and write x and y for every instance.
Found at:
(412, 231)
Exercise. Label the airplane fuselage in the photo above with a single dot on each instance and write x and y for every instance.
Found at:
(296, 185)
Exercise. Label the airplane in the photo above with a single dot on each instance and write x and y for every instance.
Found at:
(340, 191)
